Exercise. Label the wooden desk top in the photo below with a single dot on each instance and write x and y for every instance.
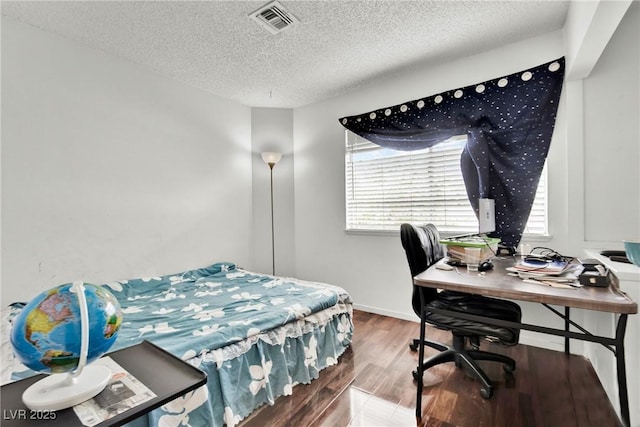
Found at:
(496, 283)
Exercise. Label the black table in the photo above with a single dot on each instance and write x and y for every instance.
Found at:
(164, 374)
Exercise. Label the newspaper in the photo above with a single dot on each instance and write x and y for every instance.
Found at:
(123, 392)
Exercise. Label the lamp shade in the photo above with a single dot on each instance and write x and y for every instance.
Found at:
(271, 158)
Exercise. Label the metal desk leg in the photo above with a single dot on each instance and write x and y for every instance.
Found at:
(423, 315)
(567, 317)
(622, 370)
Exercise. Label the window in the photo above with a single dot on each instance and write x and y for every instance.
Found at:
(385, 188)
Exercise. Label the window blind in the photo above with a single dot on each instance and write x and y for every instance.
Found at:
(386, 187)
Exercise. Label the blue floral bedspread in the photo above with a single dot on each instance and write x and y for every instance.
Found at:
(255, 336)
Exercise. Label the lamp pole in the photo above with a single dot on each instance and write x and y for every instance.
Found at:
(273, 241)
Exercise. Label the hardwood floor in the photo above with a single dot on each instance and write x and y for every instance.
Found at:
(372, 386)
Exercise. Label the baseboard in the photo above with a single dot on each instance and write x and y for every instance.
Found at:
(541, 341)
(398, 315)
(526, 337)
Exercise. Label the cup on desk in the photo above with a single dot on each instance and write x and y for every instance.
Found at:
(472, 258)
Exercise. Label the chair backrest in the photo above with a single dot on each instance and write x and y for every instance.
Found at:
(422, 246)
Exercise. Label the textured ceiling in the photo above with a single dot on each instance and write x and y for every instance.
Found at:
(338, 45)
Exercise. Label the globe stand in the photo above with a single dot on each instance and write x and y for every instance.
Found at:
(60, 391)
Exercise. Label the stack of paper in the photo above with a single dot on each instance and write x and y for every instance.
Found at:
(559, 274)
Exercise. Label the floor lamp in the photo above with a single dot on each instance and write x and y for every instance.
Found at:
(271, 158)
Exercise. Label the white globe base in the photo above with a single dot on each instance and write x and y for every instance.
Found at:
(60, 391)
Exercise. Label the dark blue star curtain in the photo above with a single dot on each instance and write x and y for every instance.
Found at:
(508, 122)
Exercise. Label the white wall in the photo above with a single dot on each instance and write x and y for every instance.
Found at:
(612, 138)
(110, 171)
(373, 267)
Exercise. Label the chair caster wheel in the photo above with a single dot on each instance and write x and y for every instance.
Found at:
(486, 393)
(415, 375)
(508, 369)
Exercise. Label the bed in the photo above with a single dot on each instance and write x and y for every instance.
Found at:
(256, 336)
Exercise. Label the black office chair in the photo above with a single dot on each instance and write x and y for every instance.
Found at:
(423, 249)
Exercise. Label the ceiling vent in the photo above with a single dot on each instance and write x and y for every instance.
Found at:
(274, 18)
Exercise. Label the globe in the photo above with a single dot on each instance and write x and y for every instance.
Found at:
(46, 335)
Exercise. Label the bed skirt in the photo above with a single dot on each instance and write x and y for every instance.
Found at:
(256, 371)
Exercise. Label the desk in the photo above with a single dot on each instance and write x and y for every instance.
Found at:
(166, 375)
(496, 283)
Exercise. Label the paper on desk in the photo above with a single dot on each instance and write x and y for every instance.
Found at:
(123, 392)
(566, 276)
(550, 283)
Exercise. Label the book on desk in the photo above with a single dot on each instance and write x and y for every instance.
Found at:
(455, 246)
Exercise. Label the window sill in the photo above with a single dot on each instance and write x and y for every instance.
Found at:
(394, 233)
(361, 232)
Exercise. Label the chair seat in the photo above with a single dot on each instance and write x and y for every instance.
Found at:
(476, 305)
